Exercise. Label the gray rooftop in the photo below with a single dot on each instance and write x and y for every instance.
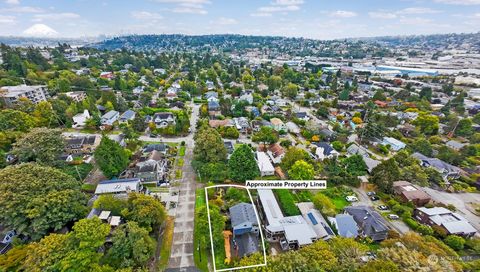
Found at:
(243, 213)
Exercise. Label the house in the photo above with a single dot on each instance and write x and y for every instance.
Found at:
(245, 229)
(82, 144)
(247, 95)
(324, 151)
(355, 149)
(161, 147)
(394, 144)
(77, 96)
(328, 134)
(107, 75)
(292, 232)
(210, 85)
(447, 170)
(410, 193)
(138, 90)
(129, 115)
(264, 164)
(163, 119)
(346, 226)
(242, 124)
(211, 96)
(278, 124)
(150, 170)
(10, 94)
(221, 123)
(455, 145)
(80, 119)
(109, 118)
(258, 124)
(316, 221)
(451, 222)
(370, 222)
(302, 116)
(276, 153)
(370, 163)
(213, 107)
(119, 187)
(292, 128)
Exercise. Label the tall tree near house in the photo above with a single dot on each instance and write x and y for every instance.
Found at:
(40, 145)
(147, 211)
(242, 165)
(301, 170)
(15, 120)
(292, 155)
(266, 135)
(111, 158)
(35, 199)
(209, 146)
(385, 174)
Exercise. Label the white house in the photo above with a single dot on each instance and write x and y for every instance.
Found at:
(394, 144)
(278, 124)
(264, 164)
(80, 119)
(127, 116)
(247, 96)
(211, 96)
(109, 118)
(164, 119)
(324, 151)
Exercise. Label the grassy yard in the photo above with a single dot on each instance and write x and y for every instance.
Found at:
(181, 151)
(200, 252)
(166, 244)
(337, 195)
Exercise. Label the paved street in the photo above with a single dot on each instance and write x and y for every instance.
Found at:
(181, 257)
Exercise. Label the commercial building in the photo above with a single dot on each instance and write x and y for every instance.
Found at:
(11, 94)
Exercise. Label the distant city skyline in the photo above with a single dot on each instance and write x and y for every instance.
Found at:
(318, 19)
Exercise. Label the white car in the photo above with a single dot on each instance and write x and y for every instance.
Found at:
(393, 216)
(351, 198)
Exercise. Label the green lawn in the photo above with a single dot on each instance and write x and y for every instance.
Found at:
(200, 252)
(166, 244)
(79, 172)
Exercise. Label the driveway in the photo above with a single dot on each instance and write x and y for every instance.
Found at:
(461, 201)
(363, 199)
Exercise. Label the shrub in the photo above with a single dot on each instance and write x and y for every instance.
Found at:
(287, 202)
(455, 242)
(411, 223)
(425, 230)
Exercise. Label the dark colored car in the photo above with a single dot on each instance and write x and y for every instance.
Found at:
(374, 198)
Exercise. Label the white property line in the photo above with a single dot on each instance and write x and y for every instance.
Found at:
(211, 235)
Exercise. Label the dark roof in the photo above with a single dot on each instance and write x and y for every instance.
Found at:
(247, 244)
(346, 226)
(213, 105)
(229, 146)
(327, 148)
(368, 219)
(128, 114)
(242, 213)
(157, 147)
(301, 114)
(162, 115)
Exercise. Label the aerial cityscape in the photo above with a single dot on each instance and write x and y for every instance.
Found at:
(209, 135)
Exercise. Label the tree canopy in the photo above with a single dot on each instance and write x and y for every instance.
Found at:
(40, 145)
(242, 165)
(111, 158)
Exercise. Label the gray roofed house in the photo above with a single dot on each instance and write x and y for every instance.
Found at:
(370, 222)
(455, 145)
(371, 163)
(346, 226)
(213, 106)
(127, 116)
(118, 186)
(452, 222)
(355, 149)
(245, 229)
(447, 170)
(315, 219)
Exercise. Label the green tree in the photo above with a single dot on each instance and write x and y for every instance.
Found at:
(138, 123)
(45, 115)
(454, 241)
(301, 170)
(15, 120)
(427, 124)
(355, 165)
(324, 204)
(423, 146)
(209, 146)
(292, 155)
(147, 211)
(242, 165)
(36, 199)
(40, 145)
(385, 174)
(110, 203)
(111, 158)
(464, 128)
(266, 135)
(131, 246)
(290, 90)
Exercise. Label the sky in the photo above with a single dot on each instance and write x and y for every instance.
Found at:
(318, 19)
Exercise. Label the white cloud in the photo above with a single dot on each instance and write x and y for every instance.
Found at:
(225, 21)
(187, 6)
(12, 2)
(40, 30)
(343, 14)
(287, 2)
(418, 11)
(145, 15)
(415, 21)
(261, 14)
(55, 16)
(278, 6)
(382, 15)
(7, 19)
(459, 2)
(22, 9)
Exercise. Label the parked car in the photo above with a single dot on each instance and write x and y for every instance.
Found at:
(9, 237)
(374, 198)
(393, 216)
(382, 207)
(371, 193)
(351, 198)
